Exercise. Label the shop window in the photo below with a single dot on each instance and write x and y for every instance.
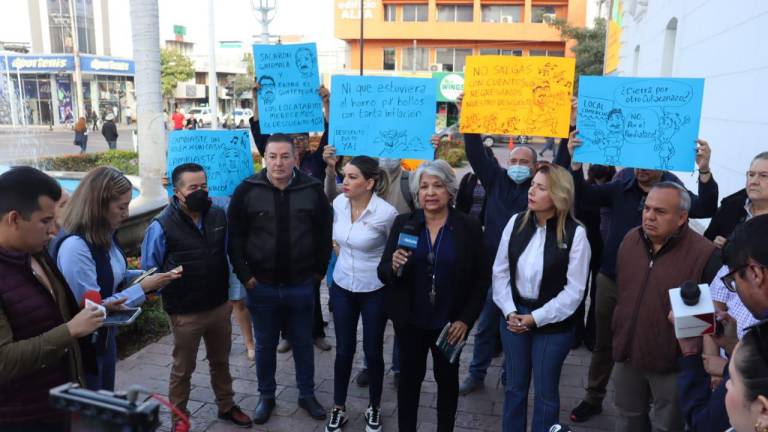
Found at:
(502, 13)
(541, 14)
(454, 13)
(61, 30)
(452, 59)
(389, 59)
(390, 13)
(415, 13)
(506, 52)
(415, 59)
(546, 53)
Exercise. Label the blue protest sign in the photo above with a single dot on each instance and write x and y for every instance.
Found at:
(383, 116)
(647, 123)
(224, 154)
(288, 100)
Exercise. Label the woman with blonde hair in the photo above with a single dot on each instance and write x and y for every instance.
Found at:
(539, 277)
(89, 257)
(81, 134)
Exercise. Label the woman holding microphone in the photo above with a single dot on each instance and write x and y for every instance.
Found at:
(539, 277)
(438, 280)
(90, 259)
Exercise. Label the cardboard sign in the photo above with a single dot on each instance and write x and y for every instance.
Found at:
(517, 95)
(647, 123)
(383, 117)
(224, 154)
(288, 100)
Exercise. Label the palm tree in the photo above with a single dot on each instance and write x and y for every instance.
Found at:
(145, 27)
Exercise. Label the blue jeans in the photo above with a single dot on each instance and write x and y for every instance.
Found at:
(486, 339)
(544, 353)
(347, 308)
(104, 379)
(270, 307)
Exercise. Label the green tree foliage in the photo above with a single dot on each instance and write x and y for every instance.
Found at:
(242, 83)
(175, 67)
(589, 48)
(248, 61)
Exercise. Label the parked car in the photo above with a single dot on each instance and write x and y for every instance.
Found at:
(203, 116)
(241, 116)
(454, 134)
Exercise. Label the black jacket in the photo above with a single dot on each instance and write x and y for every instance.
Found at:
(466, 195)
(109, 130)
(204, 284)
(472, 274)
(280, 236)
(730, 214)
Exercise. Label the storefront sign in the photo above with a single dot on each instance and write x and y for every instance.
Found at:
(39, 64)
(350, 9)
(107, 65)
(449, 85)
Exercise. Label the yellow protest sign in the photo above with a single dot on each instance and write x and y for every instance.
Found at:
(517, 95)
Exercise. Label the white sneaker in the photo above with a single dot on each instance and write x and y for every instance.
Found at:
(338, 420)
(373, 419)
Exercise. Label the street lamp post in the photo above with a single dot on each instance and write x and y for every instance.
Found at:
(265, 11)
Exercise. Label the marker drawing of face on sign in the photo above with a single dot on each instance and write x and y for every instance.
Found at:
(305, 62)
(267, 91)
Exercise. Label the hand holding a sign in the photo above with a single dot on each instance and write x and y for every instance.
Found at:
(573, 143)
(703, 155)
(329, 156)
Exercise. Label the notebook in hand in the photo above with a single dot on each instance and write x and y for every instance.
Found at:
(451, 352)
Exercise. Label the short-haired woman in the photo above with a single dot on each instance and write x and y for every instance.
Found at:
(539, 277)
(361, 224)
(747, 397)
(90, 259)
(441, 282)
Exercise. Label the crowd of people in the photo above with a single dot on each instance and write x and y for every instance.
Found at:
(516, 250)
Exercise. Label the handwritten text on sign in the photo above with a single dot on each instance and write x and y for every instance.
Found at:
(383, 117)
(517, 95)
(225, 155)
(288, 99)
(639, 122)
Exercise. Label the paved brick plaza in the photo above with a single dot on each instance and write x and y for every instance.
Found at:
(480, 411)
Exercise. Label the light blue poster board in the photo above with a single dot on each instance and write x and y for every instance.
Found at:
(647, 123)
(224, 154)
(288, 100)
(383, 116)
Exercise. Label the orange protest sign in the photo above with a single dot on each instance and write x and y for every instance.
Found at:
(517, 95)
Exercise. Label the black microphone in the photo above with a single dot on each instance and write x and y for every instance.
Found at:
(408, 239)
(690, 293)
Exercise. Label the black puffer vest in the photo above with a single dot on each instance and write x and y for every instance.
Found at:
(554, 275)
(204, 284)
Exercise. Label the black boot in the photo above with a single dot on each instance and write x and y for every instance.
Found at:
(263, 410)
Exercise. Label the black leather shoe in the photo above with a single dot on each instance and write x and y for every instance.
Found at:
(263, 410)
(312, 407)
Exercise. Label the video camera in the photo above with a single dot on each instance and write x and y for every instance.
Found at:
(104, 410)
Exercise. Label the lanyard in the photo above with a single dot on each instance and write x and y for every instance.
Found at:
(432, 260)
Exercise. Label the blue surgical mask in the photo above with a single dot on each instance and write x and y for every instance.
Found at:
(518, 173)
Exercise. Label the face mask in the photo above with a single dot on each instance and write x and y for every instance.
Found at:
(389, 165)
(197, 201)
(518, 173)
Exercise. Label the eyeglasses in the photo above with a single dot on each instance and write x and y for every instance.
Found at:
(729, 280)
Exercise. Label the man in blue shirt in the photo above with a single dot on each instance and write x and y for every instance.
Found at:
(189, 236)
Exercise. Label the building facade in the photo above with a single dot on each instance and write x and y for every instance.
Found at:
(723, 45)
(418, 36)
(38, 88)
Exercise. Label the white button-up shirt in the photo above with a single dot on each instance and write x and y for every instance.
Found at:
(361, 243)
(530, 267)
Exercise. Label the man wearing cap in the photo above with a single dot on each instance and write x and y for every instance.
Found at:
(109, 130)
